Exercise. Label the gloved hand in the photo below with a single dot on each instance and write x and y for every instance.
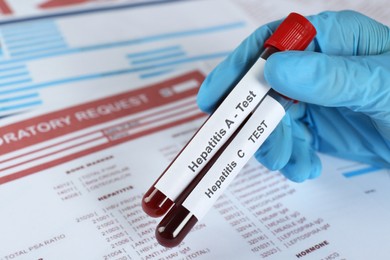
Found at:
(343, 83)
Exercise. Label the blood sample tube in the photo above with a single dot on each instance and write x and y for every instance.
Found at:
(218, 128)
(295, 32)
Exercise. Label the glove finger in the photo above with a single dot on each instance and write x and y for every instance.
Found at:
(276, 150)
(346, 134)
(227, 74)
(304, 163)
(289, 149)
(349, 33)
(360, 83)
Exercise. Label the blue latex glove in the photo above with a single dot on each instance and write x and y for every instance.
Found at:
(343, 83)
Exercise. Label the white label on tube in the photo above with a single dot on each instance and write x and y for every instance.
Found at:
(240, 102)
(255, 131)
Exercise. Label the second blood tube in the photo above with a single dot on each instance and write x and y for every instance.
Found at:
(296, 33)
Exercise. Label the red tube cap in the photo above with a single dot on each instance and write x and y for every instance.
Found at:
(294, 33)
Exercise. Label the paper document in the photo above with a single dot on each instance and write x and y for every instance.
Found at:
(71, 183)
(10, 9)
(76, 50)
